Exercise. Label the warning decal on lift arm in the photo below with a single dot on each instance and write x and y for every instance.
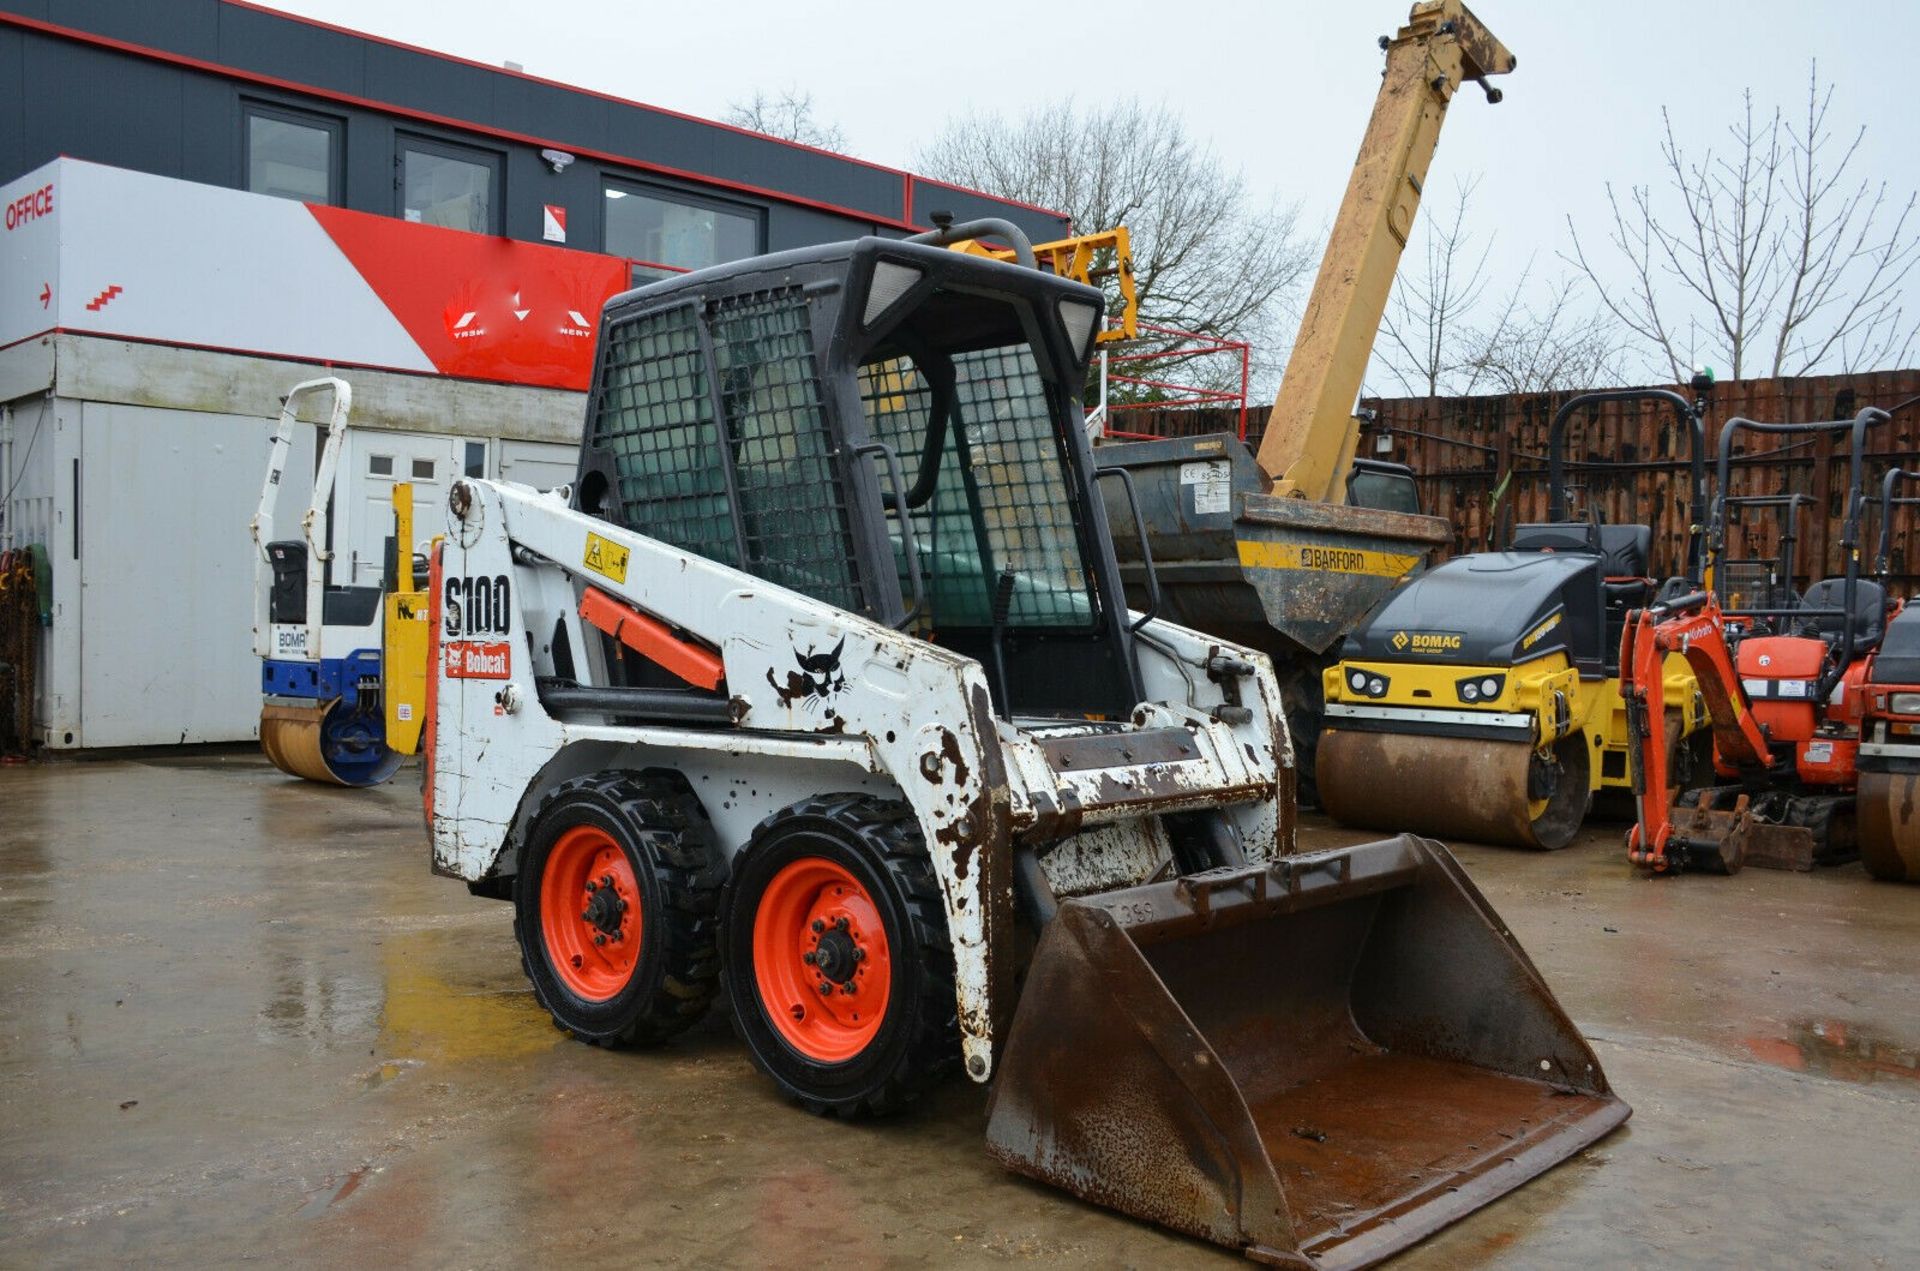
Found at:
(606, 558)
(1335, 560)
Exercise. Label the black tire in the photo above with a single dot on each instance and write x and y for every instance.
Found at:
(662, 831)
(879, 843)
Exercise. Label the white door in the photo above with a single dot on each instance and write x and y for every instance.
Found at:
(372, 461)
(540, 464)
(166, 573)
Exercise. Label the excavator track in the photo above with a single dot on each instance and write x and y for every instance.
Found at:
(1889, 819)
(1452, 787)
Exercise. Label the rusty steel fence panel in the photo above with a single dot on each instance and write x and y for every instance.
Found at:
(1462, 448)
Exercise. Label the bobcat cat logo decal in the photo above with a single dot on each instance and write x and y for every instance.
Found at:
(817, 679)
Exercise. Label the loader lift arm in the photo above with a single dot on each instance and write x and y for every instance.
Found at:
(1693, 627)
(1309, 442)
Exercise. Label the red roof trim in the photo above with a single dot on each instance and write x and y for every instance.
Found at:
(446, 121)
(903, 221)
(628, 101)
(541, 79)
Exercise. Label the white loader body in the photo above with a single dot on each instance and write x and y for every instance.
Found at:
(886, 713)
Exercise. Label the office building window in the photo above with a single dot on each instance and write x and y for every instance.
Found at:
(451, 186)
(653, 229)
(292, 154)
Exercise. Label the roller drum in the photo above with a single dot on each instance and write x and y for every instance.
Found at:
(323, 742)
(1451, 787)
(1889, 822)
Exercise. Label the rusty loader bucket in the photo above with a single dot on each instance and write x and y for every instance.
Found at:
(1318, 1062)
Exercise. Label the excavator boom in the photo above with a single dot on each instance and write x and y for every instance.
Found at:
(1309, 442)
(1691, 626)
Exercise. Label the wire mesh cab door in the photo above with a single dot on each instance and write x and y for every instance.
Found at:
(969, 372)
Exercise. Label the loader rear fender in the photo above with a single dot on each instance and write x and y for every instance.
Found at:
(956, 787)
(736, 788)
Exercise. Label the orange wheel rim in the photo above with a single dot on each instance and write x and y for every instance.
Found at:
(820, 960)
(590, 913)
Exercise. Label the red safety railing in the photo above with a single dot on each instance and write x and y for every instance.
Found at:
(1165, 385)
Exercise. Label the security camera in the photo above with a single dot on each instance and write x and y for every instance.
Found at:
(557, 160)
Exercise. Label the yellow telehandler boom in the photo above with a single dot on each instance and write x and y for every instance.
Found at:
(1308, 447)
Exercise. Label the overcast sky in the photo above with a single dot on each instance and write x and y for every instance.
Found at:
(1282, 90)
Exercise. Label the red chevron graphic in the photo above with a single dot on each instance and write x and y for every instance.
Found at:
(99, 302)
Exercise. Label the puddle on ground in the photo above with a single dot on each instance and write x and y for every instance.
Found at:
(1832, 1048)
(380, 1075)
(334, 1191)
(427, 1017)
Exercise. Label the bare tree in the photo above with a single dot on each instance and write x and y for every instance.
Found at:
(1555, 341)
(787, 114)
(1424, 327)
(1765, 256)
(1209, 255)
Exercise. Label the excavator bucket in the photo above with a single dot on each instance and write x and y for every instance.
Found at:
(1318, 1061)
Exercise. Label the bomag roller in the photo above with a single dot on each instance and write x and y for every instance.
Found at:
(1483, 700)
(1889, 797)
(817, 689)
(342, 668)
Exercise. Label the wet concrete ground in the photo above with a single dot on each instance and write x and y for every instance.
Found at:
(240, 1021)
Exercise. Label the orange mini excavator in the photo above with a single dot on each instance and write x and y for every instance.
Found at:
(1784, 686)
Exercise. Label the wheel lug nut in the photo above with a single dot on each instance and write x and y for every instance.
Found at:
(599, 939)
(847, 988)
(825, 989)
(807, 957)
(618, 936)
(592, 887)
(586, 915)
(819, 926)
(842, 924)
(859, 955)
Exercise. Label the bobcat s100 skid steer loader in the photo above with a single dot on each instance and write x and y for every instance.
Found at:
(817, 689)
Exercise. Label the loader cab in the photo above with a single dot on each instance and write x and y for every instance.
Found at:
(890, 428)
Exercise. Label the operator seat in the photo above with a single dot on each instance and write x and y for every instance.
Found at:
(1869, 617)
(1623, 550)
(287, 601)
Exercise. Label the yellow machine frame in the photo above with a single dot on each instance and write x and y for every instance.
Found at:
(1594, 707)
(1093, 259)
(1310, 439)
(403, 652)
